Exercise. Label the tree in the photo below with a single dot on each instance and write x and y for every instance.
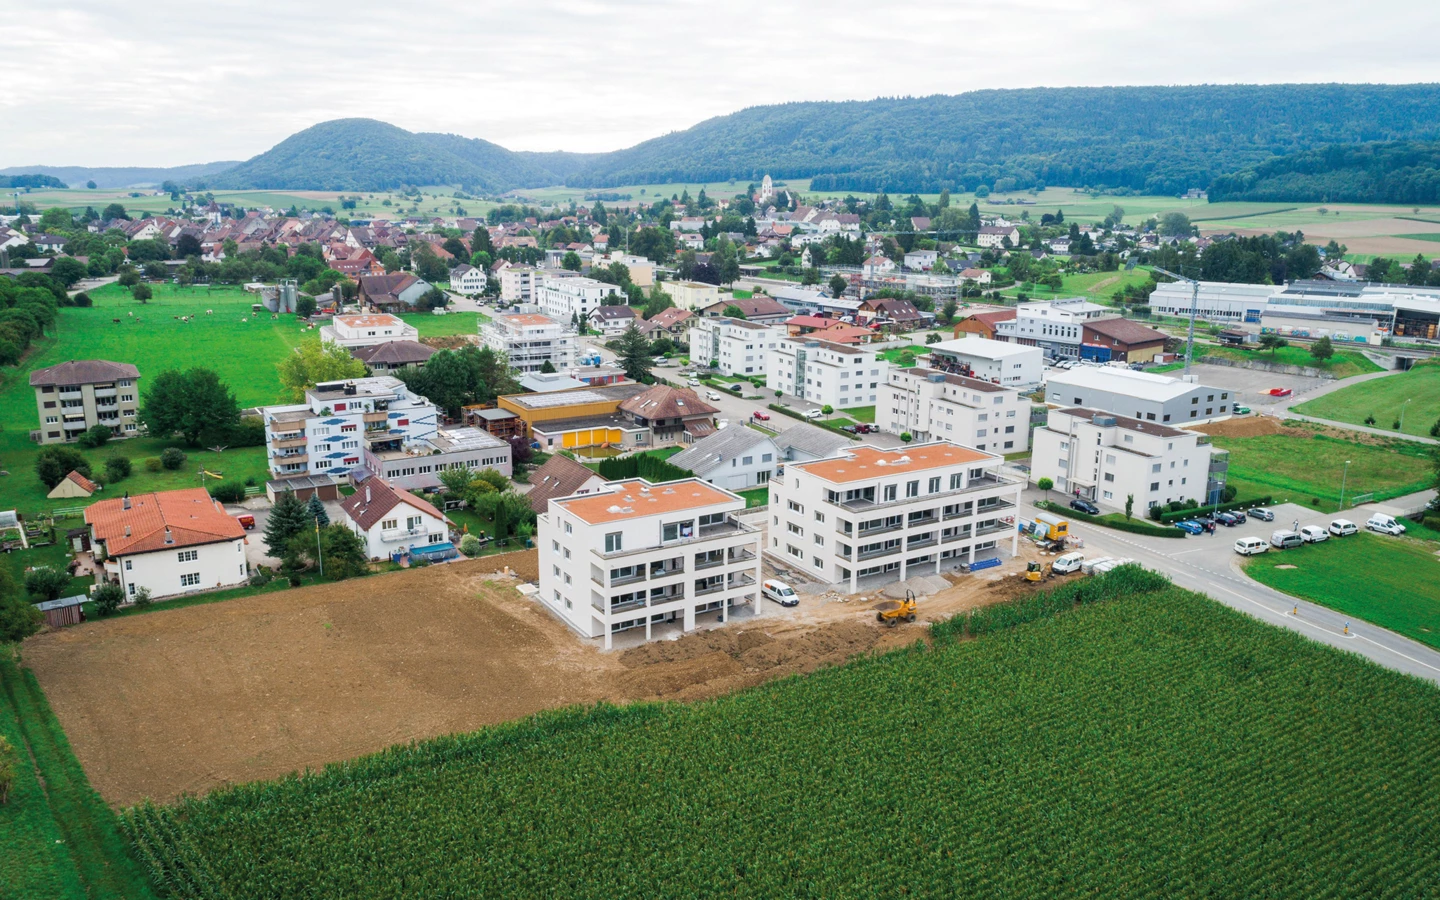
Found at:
(172, 458)
(195, 404)
(1322, 349)
(314, 362)
(142, 292)
(547, 367)
(734, 312)
(117, 468)
(470, 545)
(187, 246)
(1045, 484)
(316, 510)
(288, 517)
(1272, 342)
(336, 547)
(54, 462)
(67, 270)
(95, 436)
(521, 453)
(108, 598)
(634, 354)
(571, 261)
(46, 583)
(18, 618)
(304, 306)
(933, 338)
(1176, 224)
(947, 312)
(906, 436)
(838, 284)
(114, 211)
(456, 482)
(1129, 498)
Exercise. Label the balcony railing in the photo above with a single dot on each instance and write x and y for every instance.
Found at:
(742, 579)
(975, 484)
(708, 532)
(739, 554)
(710, 563)
(921, 541)
(376, 417)
(291, 440)
(400, 534)
(710, 588)
(883, 551)
(628, 579)
(994, 529)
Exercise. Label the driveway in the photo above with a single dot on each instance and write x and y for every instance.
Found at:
(1208, 564)
(255, 552)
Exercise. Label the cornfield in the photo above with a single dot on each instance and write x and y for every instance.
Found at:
(1154, 745)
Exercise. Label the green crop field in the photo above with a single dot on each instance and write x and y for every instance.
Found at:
(1157, 745)
(1384, 399)
(1386, 581)
(436, 200)
(1301, 465)
(1099, 286)
(243, 353)
(1344, 364)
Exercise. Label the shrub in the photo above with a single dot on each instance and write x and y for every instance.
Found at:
(262, 577)
(1395, 425)
(117, 468)
(95, 436)
(470, 545)
(172, 458)
(53, 463)
(152, 464)
(46, 583)
(228, 492)
(141, 598)
(1370, 419)
(82, 299)
(108, 599)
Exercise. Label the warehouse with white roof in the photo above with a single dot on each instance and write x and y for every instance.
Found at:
(1141, 395)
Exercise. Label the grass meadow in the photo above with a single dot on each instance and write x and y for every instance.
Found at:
(1344, 364)
(1302, 467)
(1384, 398)
(1386, 581)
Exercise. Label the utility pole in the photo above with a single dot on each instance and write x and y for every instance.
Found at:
(1194, 305)
(1343, 476)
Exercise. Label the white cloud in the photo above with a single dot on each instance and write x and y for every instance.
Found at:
(164, 83)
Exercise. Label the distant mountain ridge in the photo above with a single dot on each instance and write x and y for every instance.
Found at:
(1160, 140)
(123, 176)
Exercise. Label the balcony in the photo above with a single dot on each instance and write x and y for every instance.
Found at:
(924, 540)
(709, 588)
(404, 534)
(627, 579)
(868, 532)
(740, 554)
(375, 417)
(109, 392)
(989, 481)
(287, 442)
(709, 562)
(724, 529)
(994, 529)
(961, 535)
(627, 604)
(739, 580)
(880, 551)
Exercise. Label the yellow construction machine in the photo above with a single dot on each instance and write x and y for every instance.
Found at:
(1036, 572)
(893, 612)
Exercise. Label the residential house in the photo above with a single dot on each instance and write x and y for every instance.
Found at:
(396, 292)
(75, 396)
(168, 543)
(981, 277)
(901, 314)
(674, 323)
(393, 355)
(691, 294)
(468, 280)
(921, 260)
(997, 235)
(825, 374)
(803, 442)
(758, 308)
(735, 458)
(671, 414)
(519, 284)
(982, 324)
(561, 476)
(393, 522)
(367, 330)
(876, 266)
(612, 319)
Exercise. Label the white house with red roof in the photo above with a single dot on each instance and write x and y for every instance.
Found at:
(168, 542)
(392, 521)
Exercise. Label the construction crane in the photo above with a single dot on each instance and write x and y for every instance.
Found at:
(1194, 303)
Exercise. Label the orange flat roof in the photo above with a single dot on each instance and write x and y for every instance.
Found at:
(370, 320)
(872, 462)
(530, 319)
(637, 498)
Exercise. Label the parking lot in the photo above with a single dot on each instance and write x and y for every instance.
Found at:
(1249, 386)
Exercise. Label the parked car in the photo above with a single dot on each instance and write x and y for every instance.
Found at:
(1285, 539)
(712, 395)
(1262, 514)
(762, 416)
(812, 413)
(1384, 524)
(247, 521)
(851, 429)
(693, 382)
(1070, 562)
(1280, 392)
(1343, 527)
(738, 388)
(1085, 506)
(1228, 519)
(1242, 410)
(1190, 526)
(1250, 546)
(780, 592)
(1314, 534)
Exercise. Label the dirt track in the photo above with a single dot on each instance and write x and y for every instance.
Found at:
(190, 699)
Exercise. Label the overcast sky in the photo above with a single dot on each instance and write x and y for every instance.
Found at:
(101, 83)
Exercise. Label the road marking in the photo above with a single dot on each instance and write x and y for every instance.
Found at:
(1182, 552)
(1399, 654)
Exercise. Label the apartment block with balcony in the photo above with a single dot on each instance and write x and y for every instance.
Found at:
(876, 516)
(530, 341)
(826, 374)
(75, 396)
(340, 421)
(1106, 458)
(648, 558)
(933, 405)
(733, 346)
(564, 296)
(518, 284)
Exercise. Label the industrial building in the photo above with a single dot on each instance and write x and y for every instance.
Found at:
(1004, 363)
(1148, 397)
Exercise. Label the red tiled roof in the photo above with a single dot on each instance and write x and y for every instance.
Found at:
(374, 500)
(187, 517)
(86, 484)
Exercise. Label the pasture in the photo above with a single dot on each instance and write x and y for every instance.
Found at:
(1303, 463)
(1387, 581)
(1416, 392)
(1344, 364)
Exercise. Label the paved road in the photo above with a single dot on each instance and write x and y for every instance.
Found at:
(1208, 564)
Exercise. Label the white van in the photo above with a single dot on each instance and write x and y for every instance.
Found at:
(1384, 524)
(1342, 527)
(1250, 546)
(1286, 539)
(1068, 563)
(780, 592)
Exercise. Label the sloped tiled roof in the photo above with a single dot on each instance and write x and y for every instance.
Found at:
(1125, 331)
(560, 476)
(82, 371)
(371, 503)
(613, 313)
(84, 483)
(665, 402)
(715, 450)
(161, 521)
(393, 353)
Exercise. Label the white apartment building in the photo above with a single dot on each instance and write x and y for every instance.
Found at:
(653, 556)
(999, 362)
(367, 330)
(825, 373)
(519, 284)
(77, 395)
(340, 421)
(1145, 395)
(933, 405)
(168, 542)
(530, 340)
(739, 347)
(562, 298)
(890, 514)
(691, 294)
(1055, 326)
(642, 269)
(1106, 458)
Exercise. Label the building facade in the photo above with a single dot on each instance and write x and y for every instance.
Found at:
(340, 421)
(519, 284)
(1055, 326)
(168, 543)
(392, 521)
(933, 405)
(1145, 396)
(826, 374)
(1108, 459)
(75, 396)
(889, 514)
(418, 465)
(564, 298)
(530, 340)
(732, 346)
(999, 362)
(652, 557)
(367, 330)
(691, 294)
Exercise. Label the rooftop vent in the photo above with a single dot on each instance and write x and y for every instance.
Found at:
(127, 530)
(615, 509)
(1103, 421)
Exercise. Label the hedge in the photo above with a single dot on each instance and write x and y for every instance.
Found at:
(1113, 520)
(787, 411)
(1121, 581)
(1180, 514)
(640, 465)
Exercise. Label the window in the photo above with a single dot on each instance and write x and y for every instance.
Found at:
(1154, 485)
(819, 516)
(567, 552)
(613, 543)
(934, 485)
(793, 528)
(674, 531)
(890, 491)
(128, 567)
(795, 507)
(190, 579)
(820, 540)
(955, 482)
(556, 570)
(1109, 476)
(188, 555)
(555, 546)
(912, 488)
(568, 529)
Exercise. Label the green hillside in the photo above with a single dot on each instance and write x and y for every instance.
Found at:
(1159, 745)
(1395, 172)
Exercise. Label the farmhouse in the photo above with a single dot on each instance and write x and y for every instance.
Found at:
(78, 395)
(168, 542)
(392, 522)
(983, 324)
(647, 557)
(396, 292)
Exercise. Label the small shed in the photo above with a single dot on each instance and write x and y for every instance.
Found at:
(303, 486)
(73, 485)
(65, 611)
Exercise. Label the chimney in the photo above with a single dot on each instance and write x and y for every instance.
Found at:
(367, 495)
(127, 530)
(169, 538)
(125, 501)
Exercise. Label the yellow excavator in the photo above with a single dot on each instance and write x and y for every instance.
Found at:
(893, 612)
(1036, 572)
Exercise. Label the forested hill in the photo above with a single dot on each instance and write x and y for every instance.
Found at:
(120, 176)
(1395, 172)
(1150, 139)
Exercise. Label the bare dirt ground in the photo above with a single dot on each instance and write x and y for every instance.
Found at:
(1256, 426)
(187, 700)
(1380, 235)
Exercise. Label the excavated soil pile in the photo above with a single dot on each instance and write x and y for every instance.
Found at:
(1246, 426)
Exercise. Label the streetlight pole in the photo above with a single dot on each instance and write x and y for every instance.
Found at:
(1402, 414)
(319, 556)
(1343, 476)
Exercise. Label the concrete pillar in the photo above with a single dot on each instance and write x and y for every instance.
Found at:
(689, 621)
(854, 576)
(972, 548)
